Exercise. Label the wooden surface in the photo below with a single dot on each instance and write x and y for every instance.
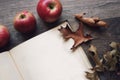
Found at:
(109, 10)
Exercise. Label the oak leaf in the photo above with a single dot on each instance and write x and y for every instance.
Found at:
(77, 36)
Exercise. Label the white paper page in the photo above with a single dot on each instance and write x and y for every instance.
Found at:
(8, 71)
(48, 57)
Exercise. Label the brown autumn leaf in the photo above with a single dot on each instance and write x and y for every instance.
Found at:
(91, 21)
(77, 36)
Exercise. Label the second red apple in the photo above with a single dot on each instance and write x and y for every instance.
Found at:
(49, 10)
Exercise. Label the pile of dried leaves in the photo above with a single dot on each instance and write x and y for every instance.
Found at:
(109, 62)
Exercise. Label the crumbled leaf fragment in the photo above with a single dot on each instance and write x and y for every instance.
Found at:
(92, 75)
(113, 45)
(99, 66)
(77, 36)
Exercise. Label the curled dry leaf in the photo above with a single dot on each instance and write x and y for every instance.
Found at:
(77, 36)
(93, 21)
(92, 75)
(99, 66)
(111, 58)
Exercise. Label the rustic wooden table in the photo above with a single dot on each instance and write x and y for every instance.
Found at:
(109, 10)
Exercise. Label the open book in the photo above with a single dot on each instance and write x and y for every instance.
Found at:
(44, 57)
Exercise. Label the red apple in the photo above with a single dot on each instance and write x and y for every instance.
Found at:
(4, 36)
(49, 10)
(24, 22)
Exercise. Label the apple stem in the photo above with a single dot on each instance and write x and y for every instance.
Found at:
(51, 6)
(22, 16)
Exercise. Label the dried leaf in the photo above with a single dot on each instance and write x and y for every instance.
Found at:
(92, 75)
(110, 61)
(111, 57)
(99, 66)
(77, 36)
(93, 21)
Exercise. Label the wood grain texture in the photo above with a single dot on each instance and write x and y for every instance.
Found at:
(109, 10)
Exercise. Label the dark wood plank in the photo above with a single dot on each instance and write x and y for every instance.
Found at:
(109, 10)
